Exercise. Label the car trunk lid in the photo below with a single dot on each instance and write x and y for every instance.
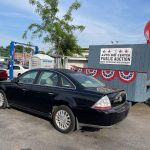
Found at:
(116, 96)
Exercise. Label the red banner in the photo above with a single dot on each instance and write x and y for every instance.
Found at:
(108, 74)
(92, 72)
(126, 76)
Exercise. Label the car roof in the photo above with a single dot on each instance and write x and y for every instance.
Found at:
(66, 71)
(17, 65)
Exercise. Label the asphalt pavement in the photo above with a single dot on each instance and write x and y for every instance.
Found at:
(23, 131)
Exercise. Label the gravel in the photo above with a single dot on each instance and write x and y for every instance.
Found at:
(23, 131)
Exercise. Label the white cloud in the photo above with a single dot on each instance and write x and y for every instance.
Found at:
(6, 39)
(104, 32)
(96, 32)
(20, 4)
(15, 14)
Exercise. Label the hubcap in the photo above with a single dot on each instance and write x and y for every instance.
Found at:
(62, 119)
(1, 99)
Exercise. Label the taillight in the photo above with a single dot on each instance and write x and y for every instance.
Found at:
(103, 103)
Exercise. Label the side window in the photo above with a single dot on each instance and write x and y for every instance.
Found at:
(48, 78)
(16, 67)
(28, 78)
(65, 82)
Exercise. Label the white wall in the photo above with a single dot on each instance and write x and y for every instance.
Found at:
(79, 63)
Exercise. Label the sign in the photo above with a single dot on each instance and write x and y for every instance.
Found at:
(116, 56)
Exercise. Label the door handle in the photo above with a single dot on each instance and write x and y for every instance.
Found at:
(24, 90)
(50, 93)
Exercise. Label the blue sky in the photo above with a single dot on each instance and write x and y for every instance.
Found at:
(105, 21)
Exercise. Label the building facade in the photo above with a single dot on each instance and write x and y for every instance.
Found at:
(77, 60)
(23, 58)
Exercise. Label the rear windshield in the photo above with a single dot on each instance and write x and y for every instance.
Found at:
(86, 81)
(25, 67)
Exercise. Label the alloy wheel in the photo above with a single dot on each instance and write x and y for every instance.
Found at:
(2, 99)
(62, 119)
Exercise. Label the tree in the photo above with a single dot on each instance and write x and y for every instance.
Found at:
(21, 48)
(4, 52)
(55, 30)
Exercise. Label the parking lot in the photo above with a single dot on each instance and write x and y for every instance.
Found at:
(19, 130)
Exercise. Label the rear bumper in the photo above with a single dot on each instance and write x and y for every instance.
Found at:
(105, 118)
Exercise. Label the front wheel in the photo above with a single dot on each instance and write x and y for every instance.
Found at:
(63, 119)
(3, 102)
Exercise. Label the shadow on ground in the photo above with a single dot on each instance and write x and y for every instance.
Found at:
(147, 103)
(89, 129)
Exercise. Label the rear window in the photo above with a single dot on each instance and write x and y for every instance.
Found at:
(16, 67)
(86, 81)
(25, 67)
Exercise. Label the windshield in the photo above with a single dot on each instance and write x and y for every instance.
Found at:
(87, 81)
(3, 66)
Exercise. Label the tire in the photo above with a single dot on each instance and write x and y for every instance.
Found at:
(3, 101)
(148, 102)
(132, 103)
(63, 113)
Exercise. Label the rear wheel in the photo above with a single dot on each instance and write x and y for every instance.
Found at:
(148, 102)
(132, 103)
(3, 102)
(63, 119)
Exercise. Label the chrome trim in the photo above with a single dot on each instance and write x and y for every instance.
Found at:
(67, 79)
(54, 86)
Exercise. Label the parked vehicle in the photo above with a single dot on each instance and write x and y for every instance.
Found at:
(3, 74)
(18, 70)
(3, 71)
(69, 98)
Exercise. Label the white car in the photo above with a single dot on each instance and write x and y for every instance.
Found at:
(18, 70)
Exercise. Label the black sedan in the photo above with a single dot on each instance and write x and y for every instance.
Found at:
(70, 99)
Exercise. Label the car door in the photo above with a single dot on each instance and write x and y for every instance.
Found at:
(20, 91)
(16, 70)
(44, 91)
(49, 87)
